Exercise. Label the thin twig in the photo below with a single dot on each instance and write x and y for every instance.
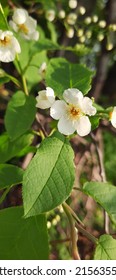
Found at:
(75, 253)
(103, 176)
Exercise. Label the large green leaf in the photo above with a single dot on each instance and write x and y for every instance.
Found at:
(49, 177)
(20, 114)
(22, 239)
(106, 248)
(10, 149)
(104, 194)
(10, 175)
(61, 75)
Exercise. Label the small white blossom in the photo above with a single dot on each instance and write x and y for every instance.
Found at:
(50, 15)
(45, 99)
(72, 112)
(113, 117)
(24, 24)
(9, 46)
(72, 4)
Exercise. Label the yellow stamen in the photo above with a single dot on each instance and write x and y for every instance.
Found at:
(74, 112)
(5, 41)
(23, 28)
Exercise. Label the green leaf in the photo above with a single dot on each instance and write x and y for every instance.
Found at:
(49, 177)
(61, 75)
(94, 121)
(22, 239)
(45, 44)
(20, 114)
(10, 175)
(104, 194)
(10, 149)
(106, 248)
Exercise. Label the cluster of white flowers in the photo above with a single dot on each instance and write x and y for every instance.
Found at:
(72, 112)
(23, 23)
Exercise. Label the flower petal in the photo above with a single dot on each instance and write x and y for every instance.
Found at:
(113, 117)
(58, 109)
(42, 100)
(15, 45)
(87, 107)
(50, 95)
(19, 16)
(7, 55)
(83, 126)
(65, 126)
(73, 95)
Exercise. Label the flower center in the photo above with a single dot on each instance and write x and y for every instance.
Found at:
(5, 41)
(23, 28)
(74, 112)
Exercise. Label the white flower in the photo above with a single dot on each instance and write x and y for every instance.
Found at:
(72, 113)
(113, 117)
(24, 24)
(45, 99)
(9, 46)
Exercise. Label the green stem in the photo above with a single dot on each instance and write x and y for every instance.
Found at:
(73, 213)
(2, 198)
(87, 234)
(75, 253)
(22, 77)
(82, 230)
(4, 18)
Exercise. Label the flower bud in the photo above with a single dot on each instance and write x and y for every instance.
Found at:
(82, 10)
(70, 32)
(50, 15)
(109, 46)
(112, 27)
(49, 224)
(94, 18)
(82, 39)
(87, 20)
(79, 32)
(71, 18)
(62, 14)
(100, 37)
(72, 4)
(88, 34)
(102, 23)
